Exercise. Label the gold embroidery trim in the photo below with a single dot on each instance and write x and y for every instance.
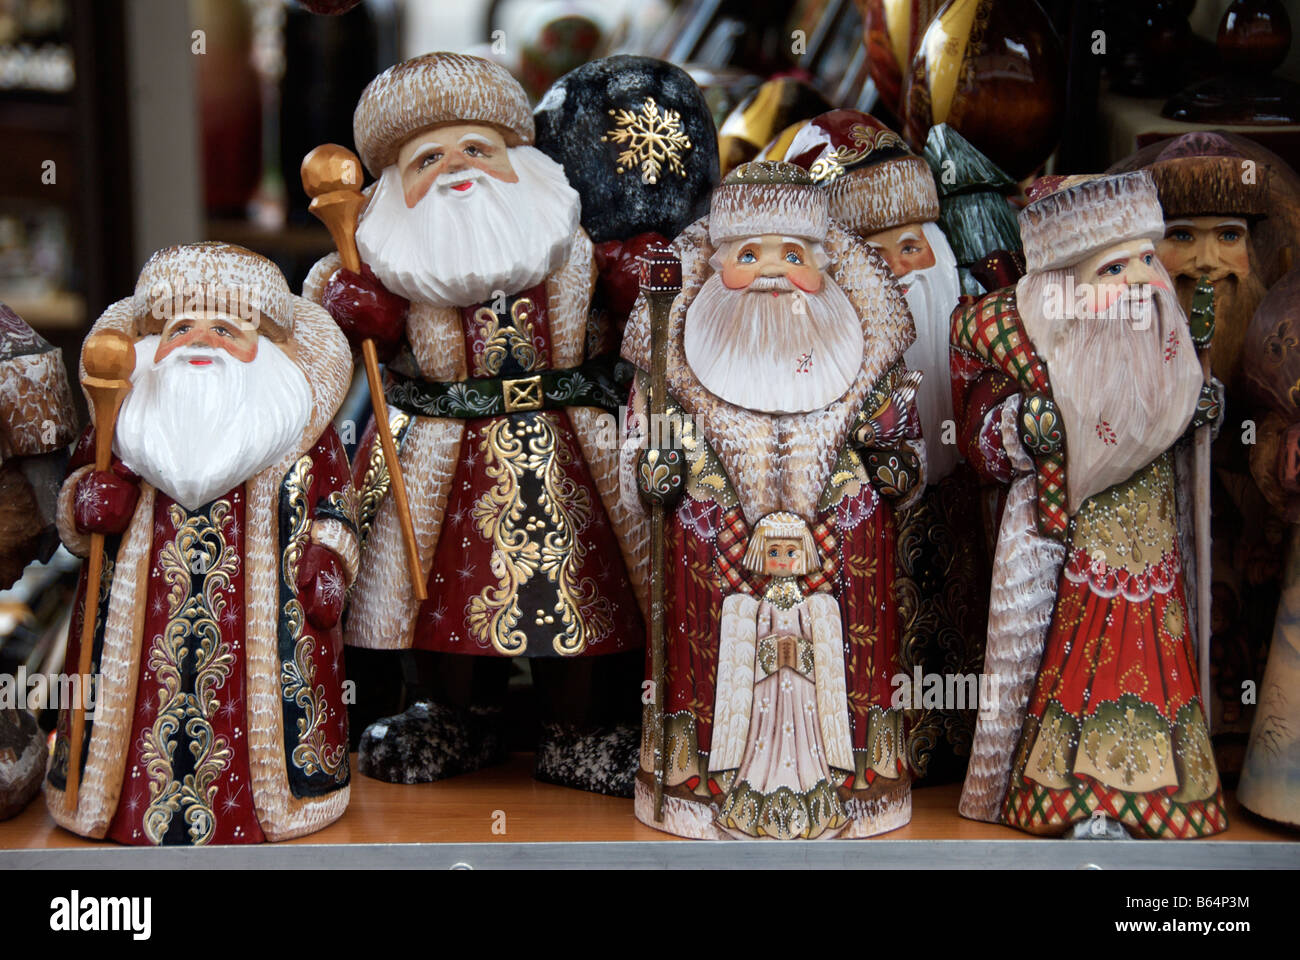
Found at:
(374, 484)
(511, 450)
(199, 547)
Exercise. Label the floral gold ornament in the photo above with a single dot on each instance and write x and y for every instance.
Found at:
(1040, 425)
(651, 138)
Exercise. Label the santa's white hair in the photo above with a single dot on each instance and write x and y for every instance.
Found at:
(454, 250)
(196, 432)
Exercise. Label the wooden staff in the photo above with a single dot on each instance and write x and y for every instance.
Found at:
(331, 175)
(109, 359)
(1202, 316)
(661, 281)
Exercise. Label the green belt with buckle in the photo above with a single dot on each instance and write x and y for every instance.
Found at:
(601, 382)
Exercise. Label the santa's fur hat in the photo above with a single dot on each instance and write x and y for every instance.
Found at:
(1202, 174)
(213, 278)
(873, 181)
(1070, 217)
(766, 197)
(436, 88)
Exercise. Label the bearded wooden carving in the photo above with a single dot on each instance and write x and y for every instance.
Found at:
(794, 413)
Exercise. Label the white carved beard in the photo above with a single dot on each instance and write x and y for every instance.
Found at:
(931, 296)
(1142, 383)
(456, 251)
(745, 345)
(197, 432)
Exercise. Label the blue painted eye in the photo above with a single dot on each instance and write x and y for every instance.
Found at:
(1149, 259)
(747, 257)
(793, 257)
(1114, 270)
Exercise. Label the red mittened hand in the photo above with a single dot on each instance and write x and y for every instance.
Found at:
(105, 500)
(365, 310)
(620, 274)
(321, 586)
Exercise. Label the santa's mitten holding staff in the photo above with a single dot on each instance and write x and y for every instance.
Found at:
(365, 310)
(105, 499)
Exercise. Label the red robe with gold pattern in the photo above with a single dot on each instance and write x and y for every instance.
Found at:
(186, 776)
(523, 542)
(1113, 722)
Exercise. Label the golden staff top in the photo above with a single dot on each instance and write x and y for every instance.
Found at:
(331, 175)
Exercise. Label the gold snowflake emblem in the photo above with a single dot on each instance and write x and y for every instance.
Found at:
(650, 139)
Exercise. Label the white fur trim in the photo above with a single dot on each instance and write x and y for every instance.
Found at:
(885, 195)
(335, 536)
(742, 210)
(1026, 571)
(435, 88)
(1062, 228)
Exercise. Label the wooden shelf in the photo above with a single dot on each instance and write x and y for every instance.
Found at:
(450, 824)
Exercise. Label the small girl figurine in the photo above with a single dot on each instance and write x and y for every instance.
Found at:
(780, 731)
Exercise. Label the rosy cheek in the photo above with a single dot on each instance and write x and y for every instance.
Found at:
(500, 170)
(243, 352)
(419, 186)
(806, 278)
(737, 276)
(165, 348)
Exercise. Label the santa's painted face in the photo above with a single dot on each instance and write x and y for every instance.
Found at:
(783, 557)
(1115, 273)
(1206, 246)
(455, 158)
(771, 334)
(923, 262)
(460, 218)
(1126, 381)
(237, 338)
(904, 248)
(772, 255)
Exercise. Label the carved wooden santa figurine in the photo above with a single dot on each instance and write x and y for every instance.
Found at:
(1081, 380)
(886, 194)
(788, 391)
(476, 281)
(229, 523)
(37, 423)
(1214, 200)
(1270, 776)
